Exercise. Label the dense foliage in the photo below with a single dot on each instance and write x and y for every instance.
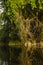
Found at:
(16, 13)
(20, 22)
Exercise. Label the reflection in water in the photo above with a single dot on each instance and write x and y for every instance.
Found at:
(3, 62)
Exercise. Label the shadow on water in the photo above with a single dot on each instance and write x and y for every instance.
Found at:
(10, 56)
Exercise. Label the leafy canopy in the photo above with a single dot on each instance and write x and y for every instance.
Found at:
(13, 6)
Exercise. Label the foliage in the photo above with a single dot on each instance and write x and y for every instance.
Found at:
(16, 13)
(12, 7)
(23, 21)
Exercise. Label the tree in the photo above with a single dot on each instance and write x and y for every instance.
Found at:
(23, 21)
(14, 10)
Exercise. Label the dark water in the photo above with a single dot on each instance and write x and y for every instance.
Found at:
(12, 56)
